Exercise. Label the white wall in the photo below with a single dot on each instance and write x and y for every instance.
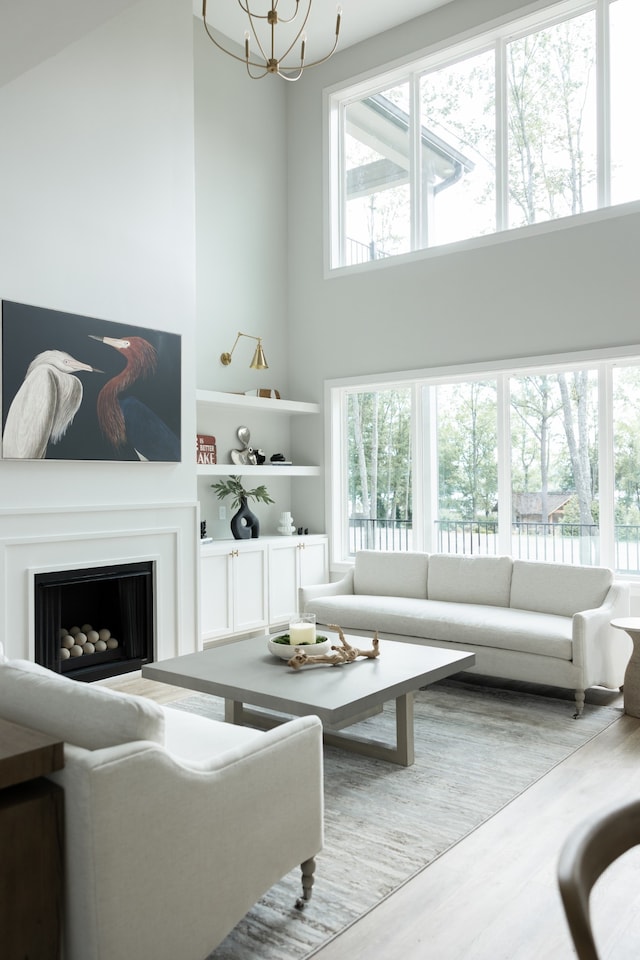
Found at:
(242, 249)
(574, 288)
(97, 202)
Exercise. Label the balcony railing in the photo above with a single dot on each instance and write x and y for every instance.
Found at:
(379, 534)
(358, 252)
(556, 542)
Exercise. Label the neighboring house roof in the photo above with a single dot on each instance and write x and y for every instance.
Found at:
(384, 125)
(530, 504)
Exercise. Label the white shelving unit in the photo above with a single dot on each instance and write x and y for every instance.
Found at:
(207, 399)
(218, 397)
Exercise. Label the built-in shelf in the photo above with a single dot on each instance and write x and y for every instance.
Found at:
(269, 405)
(213, 398)
(259, 470)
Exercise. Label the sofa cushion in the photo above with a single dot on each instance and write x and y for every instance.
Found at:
(559, 588)
(88, 715)
(470, 579)
(390, 574)
(466, 624)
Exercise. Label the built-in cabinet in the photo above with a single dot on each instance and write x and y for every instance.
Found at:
(233, 588)
(294, 562)
(248, 585)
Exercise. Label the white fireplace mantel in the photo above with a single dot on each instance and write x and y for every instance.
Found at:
(46, 540)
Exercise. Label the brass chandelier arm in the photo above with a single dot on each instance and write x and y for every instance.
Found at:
(284, 55)
(273, 63)
(314, 63)
(265, 16)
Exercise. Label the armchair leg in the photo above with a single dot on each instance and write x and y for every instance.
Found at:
(579, 704)
(308, 870)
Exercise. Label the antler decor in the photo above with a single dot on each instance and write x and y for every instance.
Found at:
(344, 654)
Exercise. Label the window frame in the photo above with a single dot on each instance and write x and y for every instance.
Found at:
(424, 480)
(411, 69)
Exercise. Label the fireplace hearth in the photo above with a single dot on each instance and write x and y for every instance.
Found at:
(108, 611)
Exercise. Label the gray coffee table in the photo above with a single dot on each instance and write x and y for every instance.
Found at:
(245, 672)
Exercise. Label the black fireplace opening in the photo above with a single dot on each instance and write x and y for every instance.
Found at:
(97, 622)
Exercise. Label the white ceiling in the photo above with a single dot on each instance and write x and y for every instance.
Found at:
(32, 30)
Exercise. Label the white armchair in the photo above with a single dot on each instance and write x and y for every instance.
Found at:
(168, 843)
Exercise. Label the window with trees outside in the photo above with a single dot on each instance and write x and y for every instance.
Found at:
(524, 125)
(541, 463)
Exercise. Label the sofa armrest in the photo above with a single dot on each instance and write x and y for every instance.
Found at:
(338, 588)
(165, 857)
(598, 648)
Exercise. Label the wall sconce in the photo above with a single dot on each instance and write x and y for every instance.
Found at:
(259, 361)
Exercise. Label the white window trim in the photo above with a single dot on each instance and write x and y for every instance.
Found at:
(452, 49)
(424, 506)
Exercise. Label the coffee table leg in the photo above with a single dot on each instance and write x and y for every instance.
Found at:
(403, 753)
(234, 712)
(404, 730)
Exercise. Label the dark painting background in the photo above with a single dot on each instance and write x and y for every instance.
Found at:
(28, 330)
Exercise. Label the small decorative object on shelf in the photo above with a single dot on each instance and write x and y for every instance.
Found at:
(246, 455)
(286, 526)
(279, 460)
(343, 654)
(244, 523)
(268, 394)
(205, 449)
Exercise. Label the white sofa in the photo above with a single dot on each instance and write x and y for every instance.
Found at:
(168, 836)
(524, 620)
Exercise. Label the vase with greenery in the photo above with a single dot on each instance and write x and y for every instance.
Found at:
(244, 523)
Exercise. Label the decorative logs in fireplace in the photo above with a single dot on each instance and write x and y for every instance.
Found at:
(84, 641)
(110, 605)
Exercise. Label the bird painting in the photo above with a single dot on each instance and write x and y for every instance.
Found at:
(44, 406)
(124, 419)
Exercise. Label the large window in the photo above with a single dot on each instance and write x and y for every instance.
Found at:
(526, 125)
(540, 463)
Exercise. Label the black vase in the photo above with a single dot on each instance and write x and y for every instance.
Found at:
(244, 524)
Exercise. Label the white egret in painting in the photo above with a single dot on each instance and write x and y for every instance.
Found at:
(44, 406)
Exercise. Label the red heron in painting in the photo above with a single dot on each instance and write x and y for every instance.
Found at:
(124, 419)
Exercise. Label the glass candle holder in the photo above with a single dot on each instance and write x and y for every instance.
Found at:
(302, 629)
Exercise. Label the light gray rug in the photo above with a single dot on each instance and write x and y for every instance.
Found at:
(478, 747)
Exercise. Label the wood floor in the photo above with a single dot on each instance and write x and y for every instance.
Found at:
(494, 895)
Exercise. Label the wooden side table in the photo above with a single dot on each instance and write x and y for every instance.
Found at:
(31, 844)
(631, 689)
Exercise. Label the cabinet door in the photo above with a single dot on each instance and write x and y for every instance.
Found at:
(250, 601)
(283, 580)
(314, 562)
(216, 597)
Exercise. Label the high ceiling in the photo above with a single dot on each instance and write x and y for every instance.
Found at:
(33, 30)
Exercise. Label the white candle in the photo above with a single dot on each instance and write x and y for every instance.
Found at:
(301, 633)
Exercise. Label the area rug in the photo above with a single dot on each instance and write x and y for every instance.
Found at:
(477, 747)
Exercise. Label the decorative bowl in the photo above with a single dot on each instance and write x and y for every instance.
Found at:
(285, 651)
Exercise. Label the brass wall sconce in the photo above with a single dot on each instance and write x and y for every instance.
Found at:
(259, 361)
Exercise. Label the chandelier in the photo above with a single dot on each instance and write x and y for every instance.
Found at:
(262, 28)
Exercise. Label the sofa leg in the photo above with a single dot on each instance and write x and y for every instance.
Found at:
(308, 869)
(579, 704)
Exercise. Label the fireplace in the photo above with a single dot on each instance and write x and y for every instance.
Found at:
(95, 622)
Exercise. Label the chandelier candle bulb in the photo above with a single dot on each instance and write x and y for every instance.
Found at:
(302, 630)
